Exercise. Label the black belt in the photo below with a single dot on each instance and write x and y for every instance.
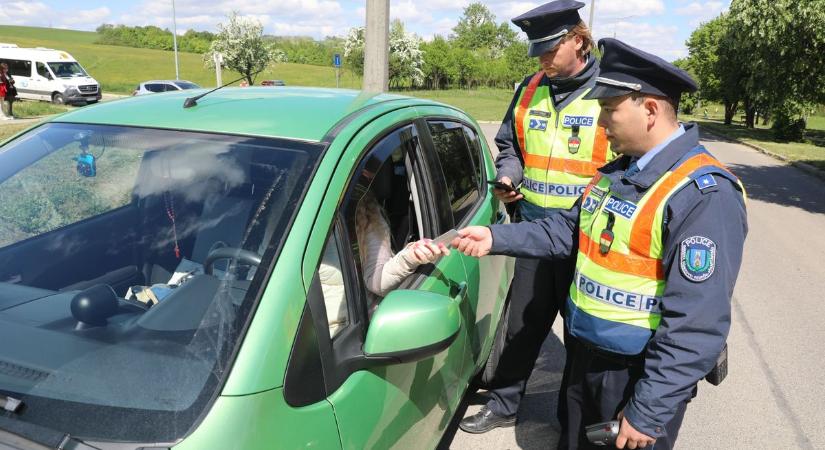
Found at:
(618, 358)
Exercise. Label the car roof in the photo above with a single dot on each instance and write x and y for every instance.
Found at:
(293, 112)
(165, 81)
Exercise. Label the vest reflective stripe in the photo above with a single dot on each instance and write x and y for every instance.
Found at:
(616, 296)
(552, 158)
(523, 105)
(641, 236)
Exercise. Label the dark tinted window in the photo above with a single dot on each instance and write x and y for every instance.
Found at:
(19, 68)
(43, 71)
(155, 87)
(458, 166)
(186, 85)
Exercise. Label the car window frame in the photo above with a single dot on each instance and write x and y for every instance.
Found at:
(343, 355)
(437, 169)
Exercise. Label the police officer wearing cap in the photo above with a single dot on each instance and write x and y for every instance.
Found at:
(550, 144)
(658, 237)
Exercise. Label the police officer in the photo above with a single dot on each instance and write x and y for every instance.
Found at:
(658, 237)
(550, 143)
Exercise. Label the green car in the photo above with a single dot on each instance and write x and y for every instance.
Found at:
(192, 277)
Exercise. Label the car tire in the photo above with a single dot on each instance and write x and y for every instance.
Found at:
(57, 99)
(486, 376)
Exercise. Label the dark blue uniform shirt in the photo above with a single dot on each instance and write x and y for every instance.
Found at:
(695, 314)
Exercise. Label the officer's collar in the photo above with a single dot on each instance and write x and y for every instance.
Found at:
(666, 158)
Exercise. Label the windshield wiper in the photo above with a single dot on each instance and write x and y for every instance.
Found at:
(25, 436)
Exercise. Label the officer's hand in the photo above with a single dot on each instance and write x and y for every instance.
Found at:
(629, 437)
(507, 196)
(474, 241)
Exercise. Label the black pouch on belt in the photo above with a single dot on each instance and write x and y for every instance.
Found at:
(720, 370)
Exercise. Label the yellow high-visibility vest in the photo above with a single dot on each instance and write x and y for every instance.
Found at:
(561, 149)
(615, 297)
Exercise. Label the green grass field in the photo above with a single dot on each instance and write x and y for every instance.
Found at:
(120, 69)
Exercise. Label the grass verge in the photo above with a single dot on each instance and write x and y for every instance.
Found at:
(811, 152)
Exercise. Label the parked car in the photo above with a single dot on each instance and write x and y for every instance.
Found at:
(155, 86)
(273, 83)
(190, 278)
(50, 75)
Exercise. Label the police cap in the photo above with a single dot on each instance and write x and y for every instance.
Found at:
(625, 70)
(548, 24)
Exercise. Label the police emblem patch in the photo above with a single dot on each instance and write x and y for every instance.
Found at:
(538, 124)
(697, 258)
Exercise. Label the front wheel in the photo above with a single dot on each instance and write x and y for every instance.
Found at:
(486, 378)
(57, 98)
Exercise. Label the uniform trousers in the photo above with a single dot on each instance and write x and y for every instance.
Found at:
(598, 388)
(537, 293)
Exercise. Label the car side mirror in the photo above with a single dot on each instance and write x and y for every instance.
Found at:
(412, 325)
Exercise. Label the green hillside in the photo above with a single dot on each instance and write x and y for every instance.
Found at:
(119, 69)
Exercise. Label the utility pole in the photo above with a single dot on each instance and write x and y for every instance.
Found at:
(377, 46)
(592, 11)
(175, 40)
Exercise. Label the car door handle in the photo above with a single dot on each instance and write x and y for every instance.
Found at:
(462, 291)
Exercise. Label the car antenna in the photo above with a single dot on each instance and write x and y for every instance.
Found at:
(193, 101)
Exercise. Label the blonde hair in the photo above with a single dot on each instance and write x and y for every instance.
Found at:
(583, 32)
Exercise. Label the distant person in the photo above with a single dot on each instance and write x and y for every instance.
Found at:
(8, 92)
(244, 83)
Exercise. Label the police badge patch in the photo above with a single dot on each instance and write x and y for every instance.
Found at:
(697, 258)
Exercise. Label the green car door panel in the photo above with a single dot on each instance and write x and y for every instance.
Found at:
(410, 325)
(264, 421)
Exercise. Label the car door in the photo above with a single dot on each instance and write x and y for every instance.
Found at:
(463, 169)
(41, 81)
(404, 405)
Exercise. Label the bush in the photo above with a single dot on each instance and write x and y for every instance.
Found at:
(787, 128)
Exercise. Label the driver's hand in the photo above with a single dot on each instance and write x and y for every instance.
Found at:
(507, 196)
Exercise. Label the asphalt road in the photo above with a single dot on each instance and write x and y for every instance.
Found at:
(773, 396)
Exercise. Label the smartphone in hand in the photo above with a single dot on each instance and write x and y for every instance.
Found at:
(503, 186)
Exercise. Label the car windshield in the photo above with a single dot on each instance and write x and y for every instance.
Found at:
(67, 69)
(130, 260)
(187, 85)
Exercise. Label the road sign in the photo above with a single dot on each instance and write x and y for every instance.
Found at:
(336, 60)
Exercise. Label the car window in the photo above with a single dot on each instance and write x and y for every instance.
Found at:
(208, 216)
(19, 68)
(43, 71)
(331, 276)
(458, 164)
(30, 207)
(167, 87)
(186, 85)
(155, 87)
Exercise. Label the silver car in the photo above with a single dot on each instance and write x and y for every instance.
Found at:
(155, 86)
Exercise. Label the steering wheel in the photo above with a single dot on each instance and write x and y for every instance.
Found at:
(237, 254)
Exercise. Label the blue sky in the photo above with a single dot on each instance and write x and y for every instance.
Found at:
(657, 26)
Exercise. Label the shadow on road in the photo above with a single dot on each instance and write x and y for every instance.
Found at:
(781, 184)
(537, 427)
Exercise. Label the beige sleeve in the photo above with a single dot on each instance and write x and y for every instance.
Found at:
(383, 271)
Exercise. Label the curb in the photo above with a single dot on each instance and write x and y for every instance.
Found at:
(805, 167)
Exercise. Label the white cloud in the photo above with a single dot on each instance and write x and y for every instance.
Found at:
(699, 8)
(87, 17)
(660, 40)
(19, 13)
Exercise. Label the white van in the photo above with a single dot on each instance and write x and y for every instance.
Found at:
(48, 74)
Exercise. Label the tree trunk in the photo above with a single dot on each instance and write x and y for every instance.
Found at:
(730, 110)
(766, 116)
(750, 113)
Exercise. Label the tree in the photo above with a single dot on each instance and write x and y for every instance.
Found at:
(439, 67)
(243, 47)
(784, 41)
(406, 59)
(476, 28)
